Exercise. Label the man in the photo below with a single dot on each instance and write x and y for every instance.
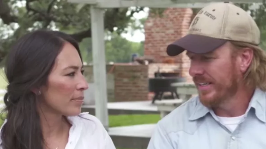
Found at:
(229, 71)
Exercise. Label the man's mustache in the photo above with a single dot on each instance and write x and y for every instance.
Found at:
(198, 79)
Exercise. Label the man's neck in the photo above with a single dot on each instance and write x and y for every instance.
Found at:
(237, 104)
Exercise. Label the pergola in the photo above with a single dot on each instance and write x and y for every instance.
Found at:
(97, 24)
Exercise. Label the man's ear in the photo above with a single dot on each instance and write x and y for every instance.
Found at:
(246, 56)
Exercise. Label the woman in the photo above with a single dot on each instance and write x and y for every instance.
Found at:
(45, 94)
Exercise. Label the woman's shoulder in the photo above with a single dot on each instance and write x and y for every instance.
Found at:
(85, 116)
(85, 119)
(91, 132)
(87, 124)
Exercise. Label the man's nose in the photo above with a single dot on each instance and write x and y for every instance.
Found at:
(196, 69)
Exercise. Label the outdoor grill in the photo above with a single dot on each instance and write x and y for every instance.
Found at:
(162, 83)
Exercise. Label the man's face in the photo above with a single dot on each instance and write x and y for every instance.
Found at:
(216, 75)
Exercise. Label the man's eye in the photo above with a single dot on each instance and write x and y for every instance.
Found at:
(207, 58)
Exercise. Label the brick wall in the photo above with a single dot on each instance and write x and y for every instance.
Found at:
(129, 82)
(161, 31)
(163, 68)
(125, 82)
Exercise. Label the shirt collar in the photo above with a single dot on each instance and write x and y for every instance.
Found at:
(199, 110)
(258, 102)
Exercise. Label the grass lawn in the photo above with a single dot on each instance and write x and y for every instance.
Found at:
(135, 119)
(126, 120)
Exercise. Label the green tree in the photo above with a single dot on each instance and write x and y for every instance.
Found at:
(18, 17)
(86, 49)
(117, 49)
(258, 12)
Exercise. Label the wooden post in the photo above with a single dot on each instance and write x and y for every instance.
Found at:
(99, 64)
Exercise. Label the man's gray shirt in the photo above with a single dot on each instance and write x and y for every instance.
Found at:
(193, 126)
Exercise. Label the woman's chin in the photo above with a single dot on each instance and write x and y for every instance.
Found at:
(72, 112)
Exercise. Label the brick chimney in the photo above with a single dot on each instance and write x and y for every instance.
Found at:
(163, 30)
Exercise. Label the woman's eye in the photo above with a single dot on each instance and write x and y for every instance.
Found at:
(82, 71)
(71, 74)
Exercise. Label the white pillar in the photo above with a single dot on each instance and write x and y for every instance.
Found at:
(99, 64)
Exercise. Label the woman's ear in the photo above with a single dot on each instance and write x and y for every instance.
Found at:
(36, 91)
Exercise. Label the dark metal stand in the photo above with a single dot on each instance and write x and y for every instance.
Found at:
(159, 95)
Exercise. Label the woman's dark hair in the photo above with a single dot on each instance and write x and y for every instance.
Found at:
(28, 65)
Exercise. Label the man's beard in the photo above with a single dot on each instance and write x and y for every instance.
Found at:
(221, 92)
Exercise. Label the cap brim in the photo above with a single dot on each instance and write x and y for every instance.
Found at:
(194, 43)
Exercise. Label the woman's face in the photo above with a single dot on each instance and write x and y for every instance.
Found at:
(63, 93)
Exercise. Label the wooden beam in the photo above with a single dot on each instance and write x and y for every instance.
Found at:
(156, 3)
(83, 1)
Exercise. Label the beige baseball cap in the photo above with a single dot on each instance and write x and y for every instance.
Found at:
(214, 25)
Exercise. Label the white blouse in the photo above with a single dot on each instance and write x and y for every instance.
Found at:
(87, 132)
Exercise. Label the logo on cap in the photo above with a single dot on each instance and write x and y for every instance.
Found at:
(195, 21)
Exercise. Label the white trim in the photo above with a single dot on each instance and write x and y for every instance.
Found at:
(99, 64)
(83, 1)
(151, 5)
(155, 3)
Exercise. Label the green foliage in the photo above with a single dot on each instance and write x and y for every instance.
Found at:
(19, 17)
(118, 49)
(259, 15)
(86, 49)
(263, 37)
(3, 81)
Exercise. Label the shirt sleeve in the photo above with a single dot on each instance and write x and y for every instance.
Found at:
(108, 142)
(160, 139)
